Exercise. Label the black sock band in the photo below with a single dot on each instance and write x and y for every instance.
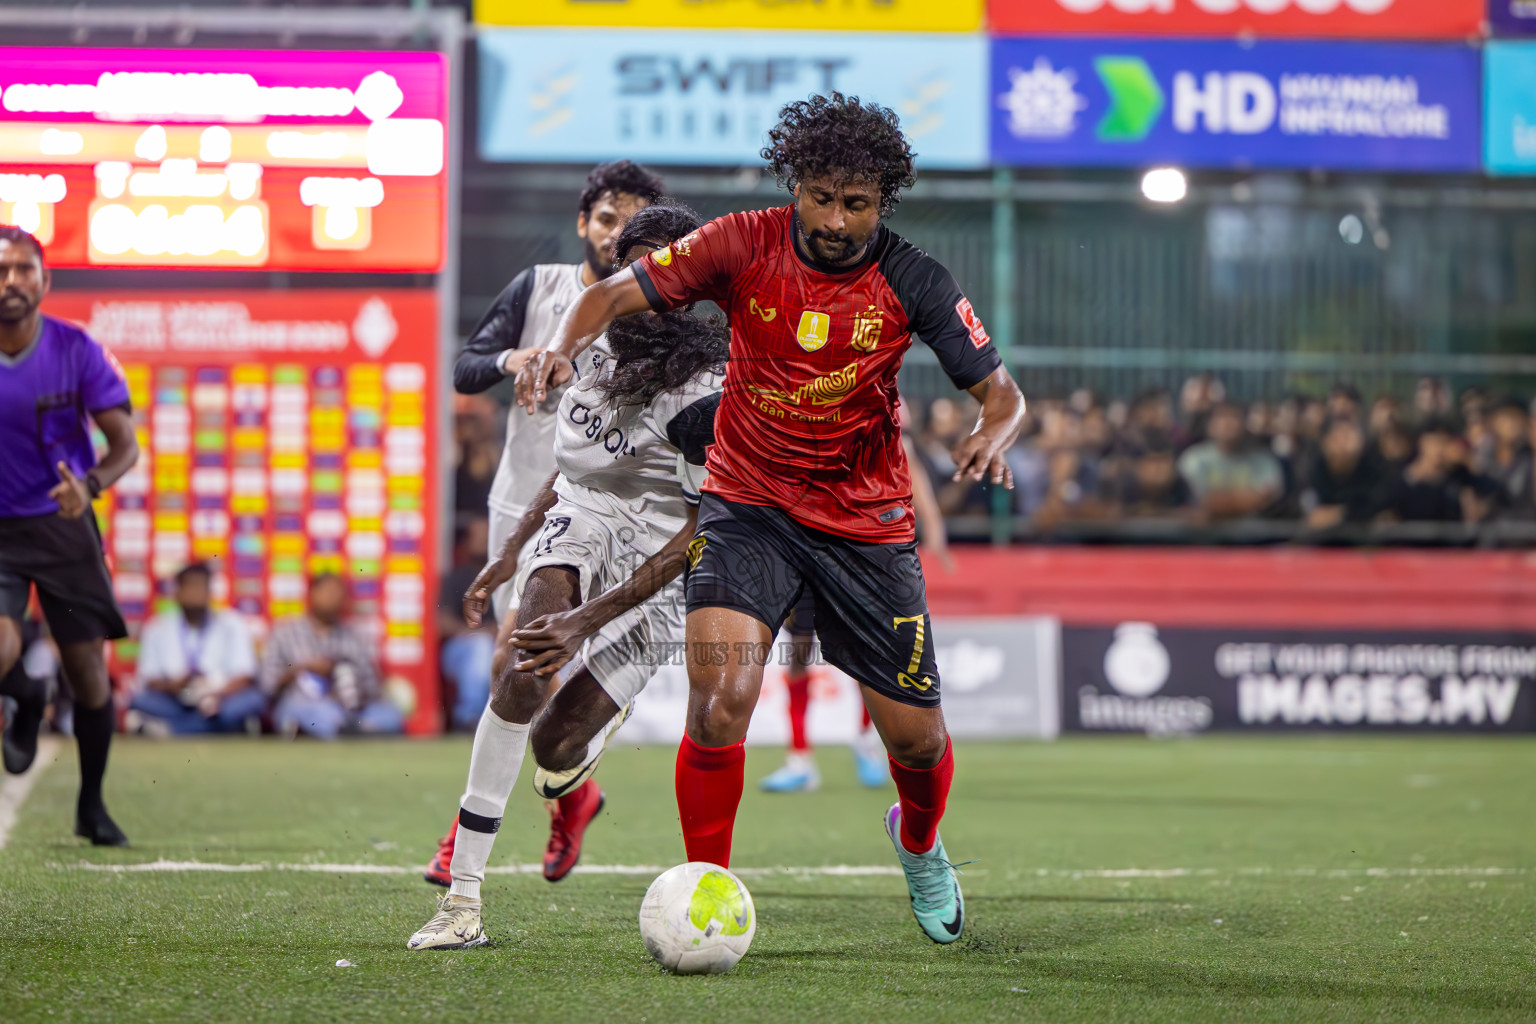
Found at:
(478, 822)
(93, 735)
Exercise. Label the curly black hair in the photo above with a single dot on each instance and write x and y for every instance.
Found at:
(621, 177)
(658, 225)
(656, 352)
(20, 236)
(840, 138)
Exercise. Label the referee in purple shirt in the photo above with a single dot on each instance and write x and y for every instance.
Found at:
(55, 380)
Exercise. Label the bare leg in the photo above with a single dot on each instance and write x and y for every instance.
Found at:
(518, 696)
(564, 729)
(915, 737)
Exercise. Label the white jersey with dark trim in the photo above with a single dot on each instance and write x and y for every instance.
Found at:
(641, 463)
(524, 315)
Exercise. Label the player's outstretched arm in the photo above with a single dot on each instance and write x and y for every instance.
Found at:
(552, 640)
(504, 566)
(588, 317)
(981, 455)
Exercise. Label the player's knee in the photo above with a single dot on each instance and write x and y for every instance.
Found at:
(719, 721)
(920, 750)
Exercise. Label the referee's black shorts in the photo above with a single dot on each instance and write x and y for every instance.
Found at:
(63, 558)
(871, 605)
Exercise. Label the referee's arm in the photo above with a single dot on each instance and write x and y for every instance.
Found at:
(74, 494)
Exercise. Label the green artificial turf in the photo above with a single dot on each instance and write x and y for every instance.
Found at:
(1330, 878)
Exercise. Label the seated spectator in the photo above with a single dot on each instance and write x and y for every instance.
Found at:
(1151, 423)
(1431, 399)
(1508, 461)
(475, 432)
(320, 672)
(1197, 399)
(1070, 491)
(197, 666)
(1437, 486)
(1150, 487)
(1343, 402)
(1230, 477)
(1346, 485)
(466, 654)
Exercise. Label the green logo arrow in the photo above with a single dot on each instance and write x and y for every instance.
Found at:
(1136, 100)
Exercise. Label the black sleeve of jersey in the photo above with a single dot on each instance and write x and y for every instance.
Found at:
(500, 329)
(693, 430)
(939, 312)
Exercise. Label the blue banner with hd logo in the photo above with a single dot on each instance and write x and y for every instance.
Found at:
(1341, 106)
(710, 97)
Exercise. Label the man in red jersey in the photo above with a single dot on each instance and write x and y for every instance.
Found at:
(808, 484)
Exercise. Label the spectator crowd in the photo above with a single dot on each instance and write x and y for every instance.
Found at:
(1333, 466)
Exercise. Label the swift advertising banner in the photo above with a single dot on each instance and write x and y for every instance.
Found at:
(282, 434)
(226, 158)
(1139, 678)
(1512, 17)
(859, 15)
(710, 97)
(1343, 106)
(1342, 19)
(1510, 107)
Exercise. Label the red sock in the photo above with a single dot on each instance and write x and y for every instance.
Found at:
(923, 793)
(799, 701)
(709, 784)
(580, 800)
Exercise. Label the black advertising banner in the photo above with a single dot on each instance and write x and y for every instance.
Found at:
(1137, 677)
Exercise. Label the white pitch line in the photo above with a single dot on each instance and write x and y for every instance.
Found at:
(15, 788)
(826, 870)
(648, 870)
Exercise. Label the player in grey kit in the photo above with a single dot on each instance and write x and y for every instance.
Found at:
(609, 534)
(522, 318)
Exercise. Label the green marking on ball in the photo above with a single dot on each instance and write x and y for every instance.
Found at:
(719, 897)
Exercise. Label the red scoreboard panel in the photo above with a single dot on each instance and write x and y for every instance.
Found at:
(280, 160)
(284, 433)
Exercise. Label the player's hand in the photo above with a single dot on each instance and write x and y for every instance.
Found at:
(544, 371)
(550, 641)
(941, 553)
(71, 493)
(496, 572)
(980, 457)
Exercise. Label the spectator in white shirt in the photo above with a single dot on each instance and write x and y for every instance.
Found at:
(197, 666)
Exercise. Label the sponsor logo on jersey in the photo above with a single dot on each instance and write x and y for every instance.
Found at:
(662, 257)
(866, 329)
(684, 245)
(764, 313)
(696, 551)
(814, 330)
(979, 335)
(827, 389)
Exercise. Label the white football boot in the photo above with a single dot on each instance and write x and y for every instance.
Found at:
(456, 925)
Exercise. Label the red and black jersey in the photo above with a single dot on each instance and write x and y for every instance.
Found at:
(808, 419)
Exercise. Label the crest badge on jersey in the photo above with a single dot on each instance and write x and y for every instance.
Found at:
(979, 335)
(814, 330)
(866, 329)
(663, 257)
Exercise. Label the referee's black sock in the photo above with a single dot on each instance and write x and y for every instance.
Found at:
(93, 734)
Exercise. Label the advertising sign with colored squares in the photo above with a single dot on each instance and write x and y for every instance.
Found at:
(224, 158)
(283, 434)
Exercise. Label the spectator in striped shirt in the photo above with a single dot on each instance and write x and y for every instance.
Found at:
(320, 672)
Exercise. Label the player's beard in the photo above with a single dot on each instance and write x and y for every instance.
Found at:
(15, 306)
(830, 249)
(601, 267)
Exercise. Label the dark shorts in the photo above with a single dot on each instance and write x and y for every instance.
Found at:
(871, 608)
(802, 617)
(63, 559)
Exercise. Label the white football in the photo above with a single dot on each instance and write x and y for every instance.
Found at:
(697, 918)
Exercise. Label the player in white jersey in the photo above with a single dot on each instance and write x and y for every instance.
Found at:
(524, 316)
(599, 590)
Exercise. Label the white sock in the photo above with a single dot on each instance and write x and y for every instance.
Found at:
(493, 766)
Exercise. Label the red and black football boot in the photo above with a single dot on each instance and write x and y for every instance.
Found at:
(440, 868)
(568, 820)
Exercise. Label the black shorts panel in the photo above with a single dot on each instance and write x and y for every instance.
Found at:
(871, 607)
(63, 558)
(802, 617)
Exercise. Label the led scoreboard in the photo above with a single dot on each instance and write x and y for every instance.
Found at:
(273, 160)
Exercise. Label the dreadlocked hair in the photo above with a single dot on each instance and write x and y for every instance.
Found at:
(656, 352)
(840, 138)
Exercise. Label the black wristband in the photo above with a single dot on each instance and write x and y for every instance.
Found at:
(93, 485)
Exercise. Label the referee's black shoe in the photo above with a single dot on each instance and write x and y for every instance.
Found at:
(18, 744)
(97, 825)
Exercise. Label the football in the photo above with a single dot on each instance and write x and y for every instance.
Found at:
(697, 918)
